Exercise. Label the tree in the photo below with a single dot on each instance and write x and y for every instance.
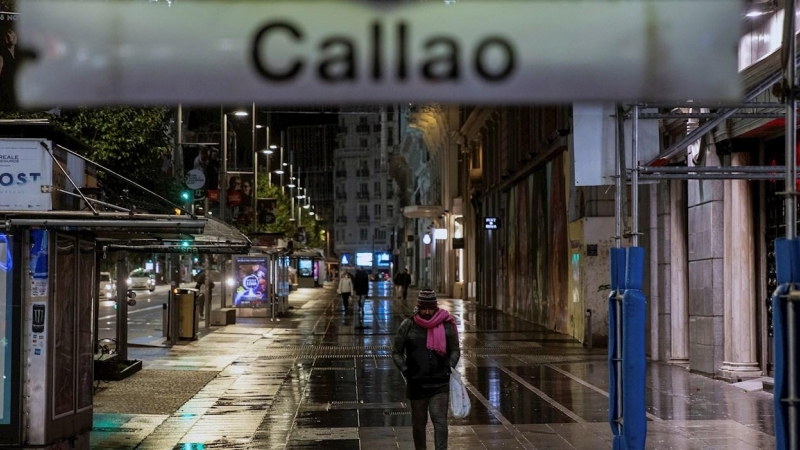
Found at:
(129, 141)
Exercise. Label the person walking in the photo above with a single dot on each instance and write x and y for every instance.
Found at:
(425, 350)
(403, 281)
(201, 295)
(346, 289)
(361, 286)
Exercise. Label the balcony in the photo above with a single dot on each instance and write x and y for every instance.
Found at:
(341, 219)
(363, 173)
(376, 127)
(362, 128)
(363, 219)
(341, 174)
(341, 196)
(362, 195)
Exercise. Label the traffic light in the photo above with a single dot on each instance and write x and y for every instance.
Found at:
(185, 243)
(186, 195)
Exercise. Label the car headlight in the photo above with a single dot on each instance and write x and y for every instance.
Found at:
(108, 294)
(108, 287)
(130, 281)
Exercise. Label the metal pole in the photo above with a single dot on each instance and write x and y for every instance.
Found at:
(731, 169)
(291, 183)
(223, 179)
(281, 167)
(175, 283)
(254, 193)
(635, 178)
(208, 291)
(790, 45)
(618, 243)
(122, 305)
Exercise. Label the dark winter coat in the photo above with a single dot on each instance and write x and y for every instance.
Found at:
(361, 283)
(402, 279)
(427, 373)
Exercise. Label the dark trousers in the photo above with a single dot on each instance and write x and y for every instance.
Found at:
(405, 291)
(346, 300)
(437, 407)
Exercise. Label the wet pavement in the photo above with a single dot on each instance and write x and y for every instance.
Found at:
(322, 379)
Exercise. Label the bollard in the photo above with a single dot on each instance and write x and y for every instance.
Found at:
(588, 339)
(164, 320)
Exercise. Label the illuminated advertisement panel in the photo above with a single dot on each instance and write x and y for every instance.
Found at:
(251, 282)
(364, 259)
(384, 259)
(5, 328)
(305, 268)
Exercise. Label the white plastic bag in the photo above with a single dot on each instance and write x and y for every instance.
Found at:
(459, 396)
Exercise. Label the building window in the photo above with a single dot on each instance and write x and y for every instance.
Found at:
(362, 120)
(390, 136)
(380, 235)
(377, 211)
(362, 210)
(364, 143)
(389, 210)
(364, 188)
(362, 234)
(377, 164)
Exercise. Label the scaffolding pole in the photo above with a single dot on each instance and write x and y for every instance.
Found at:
(790, 68)
(617, 358)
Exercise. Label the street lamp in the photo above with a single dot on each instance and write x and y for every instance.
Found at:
(223, 197)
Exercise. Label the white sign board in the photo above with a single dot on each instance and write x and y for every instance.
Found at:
(214, 52)
(26, 170)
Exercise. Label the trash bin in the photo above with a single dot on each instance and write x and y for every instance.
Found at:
(186, 302)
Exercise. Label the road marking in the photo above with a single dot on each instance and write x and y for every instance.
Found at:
(568, 412)
(506, 423)
(113, 316)
(593, 387)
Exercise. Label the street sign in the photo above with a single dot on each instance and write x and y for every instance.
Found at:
(90, 53)
(195, 179)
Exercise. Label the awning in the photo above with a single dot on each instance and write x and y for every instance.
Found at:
(154, 233)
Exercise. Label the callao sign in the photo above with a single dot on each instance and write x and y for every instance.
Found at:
(327, 52)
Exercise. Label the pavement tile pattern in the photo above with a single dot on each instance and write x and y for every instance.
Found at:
(324, 379)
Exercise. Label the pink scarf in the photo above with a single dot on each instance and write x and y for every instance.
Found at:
(437, 341)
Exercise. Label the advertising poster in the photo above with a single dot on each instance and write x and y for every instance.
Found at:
(266, 211)
(251, 282)
(39, 263)
(384, 259)
(364, 259)
(240, 197)
(200, 161)
(305, 268)
(5, 328)
(25, 167)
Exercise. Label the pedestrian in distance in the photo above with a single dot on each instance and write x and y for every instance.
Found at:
(201, 295)
(361, 286)
(345, 289)
(403, 280)
(425, 350)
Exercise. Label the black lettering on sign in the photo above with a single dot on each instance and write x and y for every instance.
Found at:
(345, 59)
(480, 54)
(261, 36)
(338, 59)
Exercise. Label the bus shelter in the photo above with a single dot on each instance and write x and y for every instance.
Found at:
(261, 282)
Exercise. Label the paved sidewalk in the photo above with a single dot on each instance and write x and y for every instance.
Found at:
(322, 379)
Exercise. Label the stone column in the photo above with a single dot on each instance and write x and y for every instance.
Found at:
(740, 360)
(655, 355)
(664, 269)
(679, 286)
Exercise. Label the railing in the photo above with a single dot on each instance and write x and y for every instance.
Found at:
(341, 174)
(341, 196)
(363, 219)
(362, 195)
(362, 128)
(341, 219)
(364, 173)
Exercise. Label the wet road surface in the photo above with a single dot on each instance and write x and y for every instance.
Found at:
(322, 379)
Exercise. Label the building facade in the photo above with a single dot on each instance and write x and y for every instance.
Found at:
(365, 203)
(313, 148)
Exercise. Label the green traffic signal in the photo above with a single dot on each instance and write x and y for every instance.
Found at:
(186, 196)
(184, 243)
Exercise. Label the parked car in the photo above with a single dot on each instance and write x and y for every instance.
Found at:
(107, 287)
(141, 279)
